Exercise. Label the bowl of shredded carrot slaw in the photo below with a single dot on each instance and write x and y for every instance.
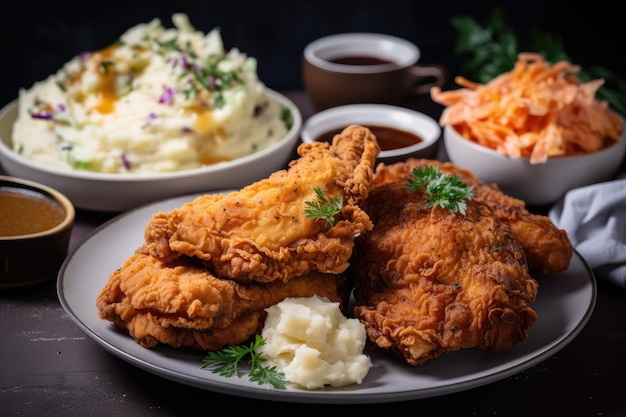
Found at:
(536, 131)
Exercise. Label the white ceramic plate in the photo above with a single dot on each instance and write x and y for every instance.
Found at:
(564, 304)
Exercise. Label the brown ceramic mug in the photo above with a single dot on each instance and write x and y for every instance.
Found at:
(350, 68)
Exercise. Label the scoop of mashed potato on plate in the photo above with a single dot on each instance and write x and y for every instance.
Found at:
(314, 344)
(158, 100)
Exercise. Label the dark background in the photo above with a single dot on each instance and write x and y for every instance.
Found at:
(37, 38)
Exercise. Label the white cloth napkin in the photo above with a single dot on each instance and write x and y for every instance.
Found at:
(595, 220)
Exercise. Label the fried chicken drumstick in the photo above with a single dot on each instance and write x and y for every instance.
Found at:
(429, 281)
(261, 233)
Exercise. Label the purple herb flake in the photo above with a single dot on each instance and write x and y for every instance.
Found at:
(125, 161)
(43, 115)
(168, 95)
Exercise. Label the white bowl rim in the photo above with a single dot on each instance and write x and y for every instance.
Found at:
(148, 177)
(358, 110)
(485, 149)
(68, 207)
(411, 56)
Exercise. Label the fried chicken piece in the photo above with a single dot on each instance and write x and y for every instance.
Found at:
(183, 305)
(429, 281)
(548, 249)
(261, 233)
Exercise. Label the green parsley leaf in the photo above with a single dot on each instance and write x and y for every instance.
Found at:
(105, 65)
(286, 117)
(226, 363)
(323, 208)
(442, 190)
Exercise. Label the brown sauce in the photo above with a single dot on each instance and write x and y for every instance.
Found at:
(388, 137)
(23, 212)
(360, 60)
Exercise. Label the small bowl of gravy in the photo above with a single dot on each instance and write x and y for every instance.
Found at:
(35, 228)
(401, 133)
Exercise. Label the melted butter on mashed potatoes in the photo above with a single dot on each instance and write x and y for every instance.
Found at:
(157, 100)
(314, 344)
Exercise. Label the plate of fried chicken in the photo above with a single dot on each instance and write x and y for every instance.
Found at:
(453, 293)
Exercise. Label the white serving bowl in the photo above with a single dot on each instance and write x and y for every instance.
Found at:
(119, 192)
(370, 115)
(538, 184)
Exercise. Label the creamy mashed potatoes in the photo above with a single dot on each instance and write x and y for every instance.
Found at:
(314, 344)
(157, 100)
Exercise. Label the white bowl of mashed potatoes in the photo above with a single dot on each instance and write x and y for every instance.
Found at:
(159, 113)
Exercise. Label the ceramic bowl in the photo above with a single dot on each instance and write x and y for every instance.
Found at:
(402, 133)
(35, 231)
(119, 192)
(536, 184)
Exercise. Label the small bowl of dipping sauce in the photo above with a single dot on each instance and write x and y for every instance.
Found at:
(401, 133)
(35, 231)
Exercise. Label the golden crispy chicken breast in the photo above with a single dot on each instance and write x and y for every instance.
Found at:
(429, 281)
(261, 233)
(183, 305)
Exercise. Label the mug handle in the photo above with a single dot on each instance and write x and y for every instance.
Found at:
(426, 76)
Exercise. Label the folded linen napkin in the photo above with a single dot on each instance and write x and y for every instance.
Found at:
(595, 220)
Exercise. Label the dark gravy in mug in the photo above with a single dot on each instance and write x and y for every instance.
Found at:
(360, 60)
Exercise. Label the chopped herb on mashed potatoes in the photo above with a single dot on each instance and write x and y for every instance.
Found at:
(314, 343)
(157, 100)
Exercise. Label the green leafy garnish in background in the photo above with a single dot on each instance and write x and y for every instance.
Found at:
(286, 117)
(226, 362)
(442, 190)
(491, 49)
(323, 208)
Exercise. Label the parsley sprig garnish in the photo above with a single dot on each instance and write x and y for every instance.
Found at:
(226, 363)
(323, 208)
(441, 189)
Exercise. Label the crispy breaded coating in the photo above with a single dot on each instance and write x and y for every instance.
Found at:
(183, 305)
(428, 281)
(548, 249)
(261, 233)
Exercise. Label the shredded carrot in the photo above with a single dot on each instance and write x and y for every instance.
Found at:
(536, 110)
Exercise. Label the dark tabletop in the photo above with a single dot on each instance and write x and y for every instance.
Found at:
(49, 366)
